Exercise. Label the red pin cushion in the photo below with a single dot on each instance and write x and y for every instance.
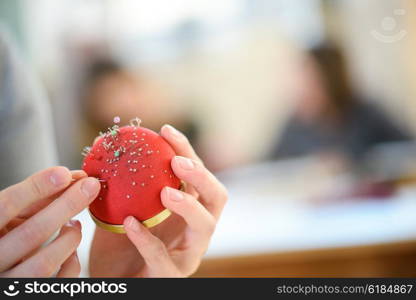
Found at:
(133, 165)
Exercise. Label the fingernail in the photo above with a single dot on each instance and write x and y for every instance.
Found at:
(90, 187)
(59, 176)
(173, 131)
(133, 224)
(185, 163)
(74, 223)
(173, 194)
(77, 174)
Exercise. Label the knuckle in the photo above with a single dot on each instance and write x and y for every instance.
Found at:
(8, 207)
(35, 187)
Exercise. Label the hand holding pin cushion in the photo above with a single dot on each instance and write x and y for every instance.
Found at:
(135, 193)
(133, 166)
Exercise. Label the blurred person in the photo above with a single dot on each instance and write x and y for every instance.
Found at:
(110, 90)
(33, 209)
(329, 119)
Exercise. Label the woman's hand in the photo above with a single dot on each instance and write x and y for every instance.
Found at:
(175, 247)
(32, 211)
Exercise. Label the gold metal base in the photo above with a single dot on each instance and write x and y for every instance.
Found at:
(153, 221)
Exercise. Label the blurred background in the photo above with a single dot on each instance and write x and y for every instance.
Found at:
(304, 109)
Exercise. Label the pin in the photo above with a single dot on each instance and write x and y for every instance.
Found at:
(107, 145)
(86, 151)
(135, 122)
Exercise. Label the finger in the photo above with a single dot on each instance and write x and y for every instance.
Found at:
(201, 223)
(182, 147)
(179, 142)
(12, 224)
(36, 230)
(48, 260)
(36, 187)
(38, 205)
(70, 268)
(151, 249)
(78, 174)
(213, 193)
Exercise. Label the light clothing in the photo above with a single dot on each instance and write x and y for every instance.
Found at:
(26, 136)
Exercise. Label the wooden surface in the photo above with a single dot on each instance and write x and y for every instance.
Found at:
(396, 259)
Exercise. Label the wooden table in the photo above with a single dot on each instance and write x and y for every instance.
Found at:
(396, 259)
(266, 230)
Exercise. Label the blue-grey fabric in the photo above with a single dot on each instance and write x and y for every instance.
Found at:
(26, 137)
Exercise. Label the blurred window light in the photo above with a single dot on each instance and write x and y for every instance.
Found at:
(161, 29)
(157, 16)
(299, 20)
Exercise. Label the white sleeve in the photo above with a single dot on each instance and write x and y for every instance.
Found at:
(26, 135)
